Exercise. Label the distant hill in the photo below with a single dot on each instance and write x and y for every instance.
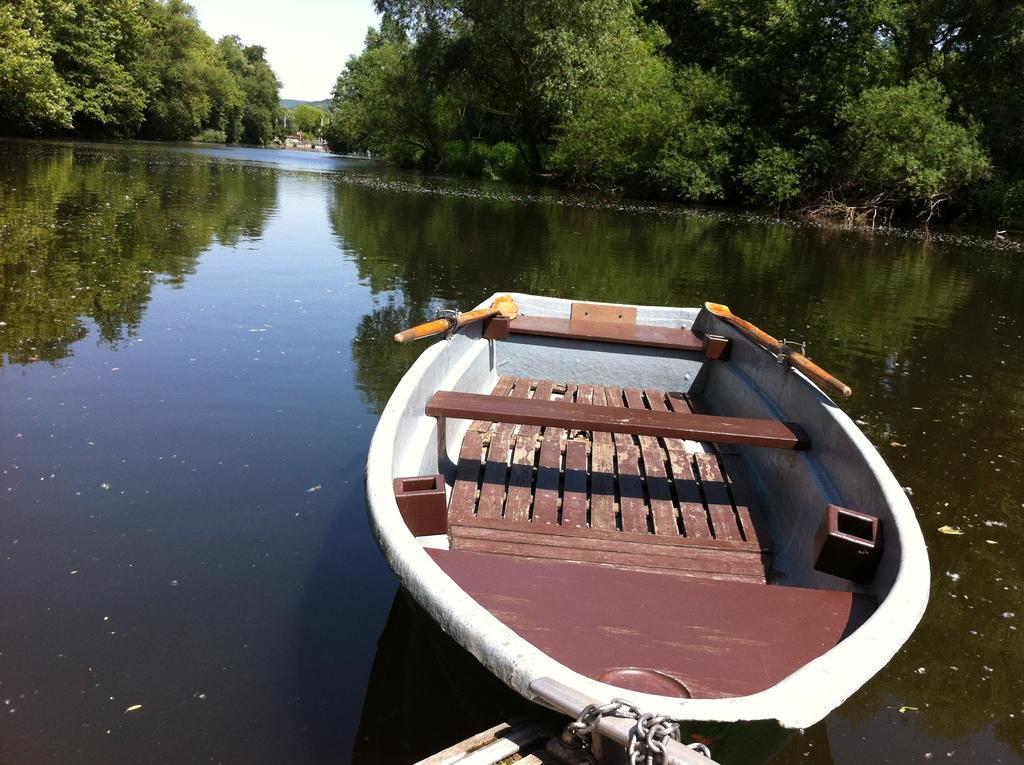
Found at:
(291, 103)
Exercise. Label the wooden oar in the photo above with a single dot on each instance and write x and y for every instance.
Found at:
(797, 360)
(503, 306)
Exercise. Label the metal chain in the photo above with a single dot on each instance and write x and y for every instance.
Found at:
(646, 740)
(581, 730)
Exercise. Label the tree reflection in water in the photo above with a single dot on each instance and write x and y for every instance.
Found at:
(86, 236)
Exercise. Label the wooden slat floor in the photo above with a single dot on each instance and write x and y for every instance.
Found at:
(634, 502)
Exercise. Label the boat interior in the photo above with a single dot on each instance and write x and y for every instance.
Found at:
(619, 523)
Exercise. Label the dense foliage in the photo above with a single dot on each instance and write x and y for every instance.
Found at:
(127, 68)
(306, 119)
(913, 105)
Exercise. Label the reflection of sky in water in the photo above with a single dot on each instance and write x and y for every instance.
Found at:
(215, 339)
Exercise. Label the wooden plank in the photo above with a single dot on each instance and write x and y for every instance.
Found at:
(501, 388)
(616, 314)
(611, 535)
(496, 745)
(705, 564)
(542, 392)
(521, 388)
(695, 403)
(492, 491)
(723, 519)
(678, 402)
(675, 448)
(585, 394)
(545, 496)
(747, 562)
(632, 506)
(574, 495)
(463, 500)
(769, 433)
(691, 506)
(602, 474)
(608, 332)
(663, 512)
(752, 520)
(520, 479)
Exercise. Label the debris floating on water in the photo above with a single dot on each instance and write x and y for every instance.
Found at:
(134, 708)
(311, 489)
(951, 530)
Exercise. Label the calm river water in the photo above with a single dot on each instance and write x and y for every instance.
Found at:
(194, 345)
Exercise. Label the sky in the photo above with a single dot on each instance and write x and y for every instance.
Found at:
(307, 41)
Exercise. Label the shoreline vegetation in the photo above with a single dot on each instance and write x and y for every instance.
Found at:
(859, 111)
(863, 111)
(143, 69)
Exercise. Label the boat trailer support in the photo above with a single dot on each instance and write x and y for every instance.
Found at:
(616, 730)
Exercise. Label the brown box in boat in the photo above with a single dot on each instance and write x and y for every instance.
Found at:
(421, 501)
(848, 544)
(497, 328)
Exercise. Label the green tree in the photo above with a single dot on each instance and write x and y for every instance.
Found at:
(527, 61)
(385, 103)
(901, 143)
(260, 110)
(183, 66)
(99, 53)
(32, 95)
(650, 129)
(307, 119)
(976, 49)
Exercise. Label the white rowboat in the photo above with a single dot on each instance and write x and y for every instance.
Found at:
(644, 503)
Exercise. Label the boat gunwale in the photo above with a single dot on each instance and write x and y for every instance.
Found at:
(798, 701)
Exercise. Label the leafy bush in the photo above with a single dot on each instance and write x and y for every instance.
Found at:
(900, 142)
(651, 130)
(507, 161)
(774, 177)
(999, 200)
(211, 136)
(478, 160)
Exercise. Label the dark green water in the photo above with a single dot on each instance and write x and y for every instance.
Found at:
(193, 347)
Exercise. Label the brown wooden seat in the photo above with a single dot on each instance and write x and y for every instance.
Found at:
(641, 422)
(657, 633)
(637, 502)
(608, 332)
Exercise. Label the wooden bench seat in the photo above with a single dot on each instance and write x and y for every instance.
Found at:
(608, 332)
(631, 501)
(640, 422)
(655, 633)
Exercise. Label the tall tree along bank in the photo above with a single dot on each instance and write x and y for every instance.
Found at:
(130, 68)
(911, 107)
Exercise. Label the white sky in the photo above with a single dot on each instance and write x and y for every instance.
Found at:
(307, 41)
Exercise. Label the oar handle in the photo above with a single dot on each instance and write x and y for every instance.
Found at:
(798, 360)
(436, 327)
(818, 374)
(444, 324)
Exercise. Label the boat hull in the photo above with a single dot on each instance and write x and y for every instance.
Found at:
(842, 467)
